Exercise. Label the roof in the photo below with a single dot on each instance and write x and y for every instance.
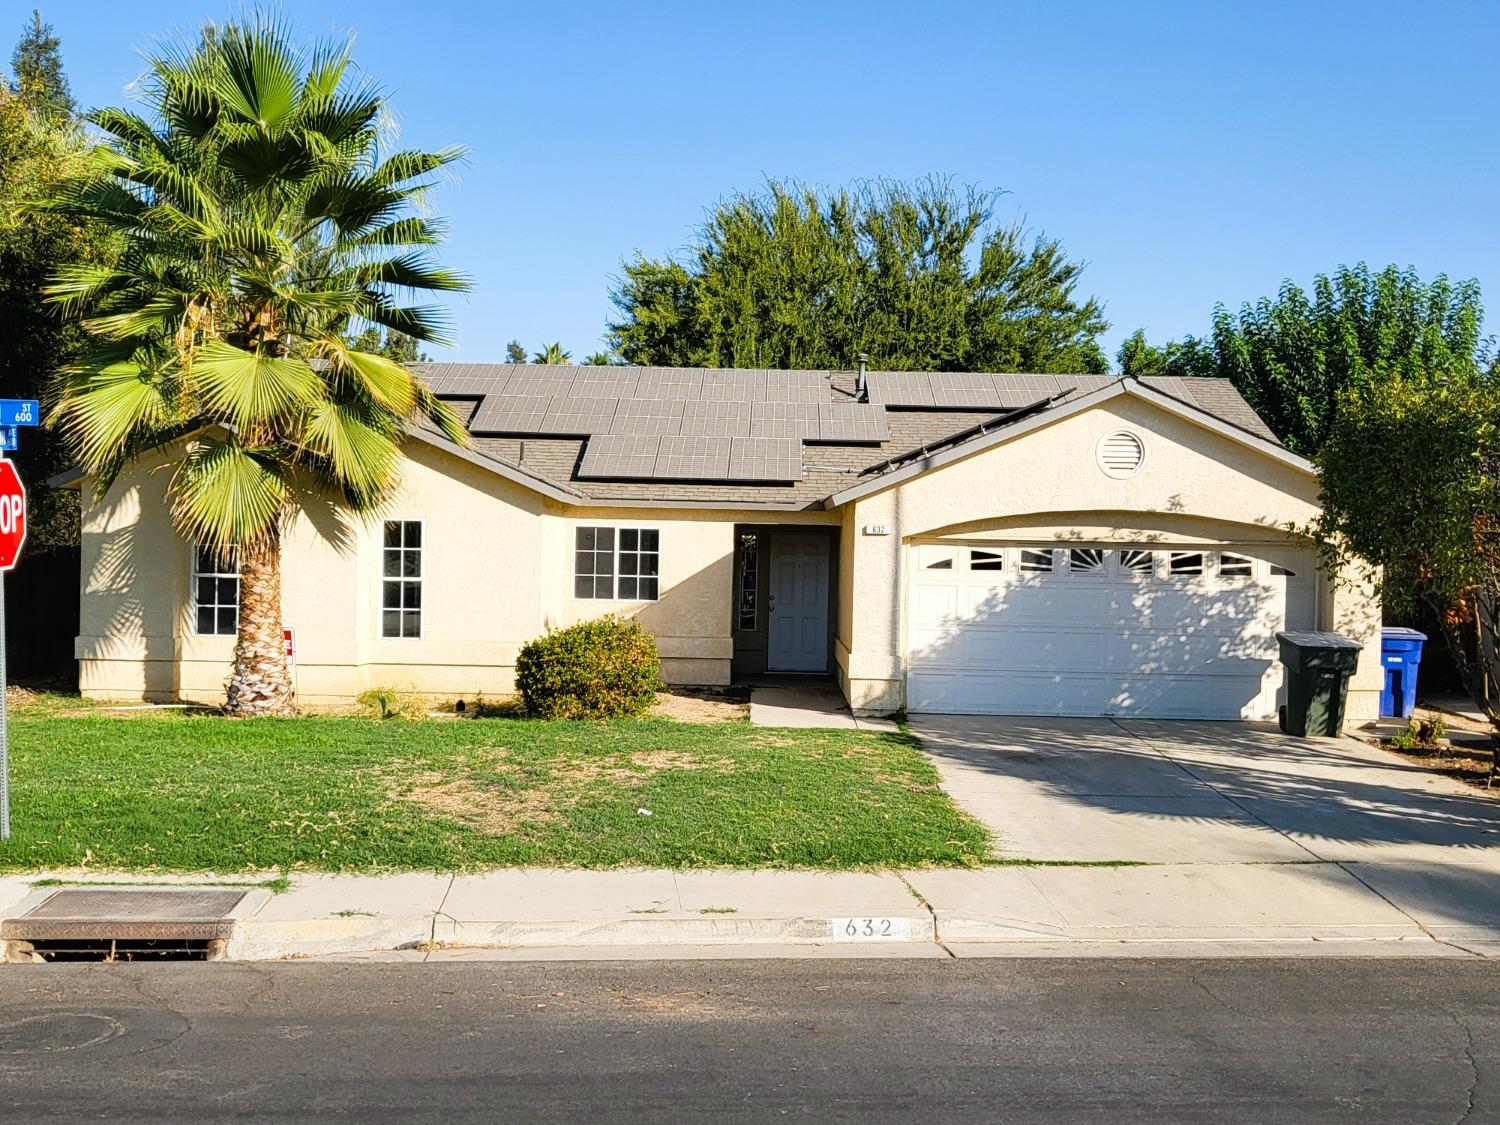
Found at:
(757, 438)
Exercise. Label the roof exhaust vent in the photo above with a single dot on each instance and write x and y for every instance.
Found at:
(859, 385)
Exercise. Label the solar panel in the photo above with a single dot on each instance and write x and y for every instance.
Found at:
(784, 419)
(647, 416)
(510, 414)
(796, 386)
(604, 382)
(681, 383)
(692, 458)
(540, 380)
(765, 459)
(711, 418)
(899, 388)
(619, 457)
(734, 385)
(569, 416)
(852, 422)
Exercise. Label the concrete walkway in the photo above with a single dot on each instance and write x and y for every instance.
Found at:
(815, 705)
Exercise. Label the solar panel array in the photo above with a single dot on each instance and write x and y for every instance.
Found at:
(680, 457)
(963, 390)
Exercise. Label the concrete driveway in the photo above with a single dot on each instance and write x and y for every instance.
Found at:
(1200, 792)
(1250, 834)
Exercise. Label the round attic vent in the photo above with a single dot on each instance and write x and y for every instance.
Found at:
(1121, 454)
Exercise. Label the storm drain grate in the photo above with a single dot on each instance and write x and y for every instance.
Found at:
(123, 923)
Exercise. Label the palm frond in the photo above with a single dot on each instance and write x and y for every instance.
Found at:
(250, 388)
(227, 495)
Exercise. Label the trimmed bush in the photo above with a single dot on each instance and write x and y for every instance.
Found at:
(602, 669)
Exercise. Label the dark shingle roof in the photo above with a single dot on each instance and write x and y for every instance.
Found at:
(552, 411)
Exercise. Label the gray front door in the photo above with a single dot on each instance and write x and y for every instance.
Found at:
(798, 605)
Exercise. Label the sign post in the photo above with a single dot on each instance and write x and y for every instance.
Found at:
(12, 536)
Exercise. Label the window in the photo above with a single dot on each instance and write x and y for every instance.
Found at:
(1235, 566)
(1282, 572)
(986, 560)
(1185, 564)
(1035, 562)
(619, 563)
(749, 580)
(1137, 563)
(216, 593)
(1087, 561)
(401, 584)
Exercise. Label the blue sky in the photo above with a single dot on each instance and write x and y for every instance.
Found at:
(1188, 152)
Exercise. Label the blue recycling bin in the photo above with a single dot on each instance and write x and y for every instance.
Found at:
(1400, 654)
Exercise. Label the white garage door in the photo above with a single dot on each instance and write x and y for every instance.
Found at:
(1135, 630)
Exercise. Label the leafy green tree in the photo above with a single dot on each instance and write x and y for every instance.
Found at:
(1411, 485)
(261, 224)
(552, 353)
(599, 359)
(913, 275)
(1293, 356)
(39, 79)
(38, 148)
(514, 352)
(393, 345)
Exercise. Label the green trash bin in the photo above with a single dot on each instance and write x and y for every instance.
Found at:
(1318, 667)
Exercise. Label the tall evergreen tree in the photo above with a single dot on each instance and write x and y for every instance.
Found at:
(914, 275)
(514, 352)
(37, 64)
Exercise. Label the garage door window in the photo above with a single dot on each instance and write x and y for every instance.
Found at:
(1235, 566)
(986, 560)
(1035, 562)
(1186, 564)
(1137, 564)
(937, 558)
(1087, 562)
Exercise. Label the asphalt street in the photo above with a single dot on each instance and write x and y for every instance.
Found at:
(1264, 1041)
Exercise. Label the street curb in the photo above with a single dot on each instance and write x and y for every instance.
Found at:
(298, 938)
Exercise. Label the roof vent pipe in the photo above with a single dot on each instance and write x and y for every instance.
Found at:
(859, 385)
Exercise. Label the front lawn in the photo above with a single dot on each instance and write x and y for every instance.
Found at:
(183, 792)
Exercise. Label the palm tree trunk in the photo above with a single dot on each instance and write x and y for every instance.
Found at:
(261, 683)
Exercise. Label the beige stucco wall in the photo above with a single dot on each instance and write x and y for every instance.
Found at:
(1195, 486)
(498, 571)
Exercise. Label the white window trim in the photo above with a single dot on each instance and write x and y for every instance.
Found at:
(193, 575)
(421, 580)
(614, 597)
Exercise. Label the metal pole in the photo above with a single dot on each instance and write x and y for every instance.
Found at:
(4, 728)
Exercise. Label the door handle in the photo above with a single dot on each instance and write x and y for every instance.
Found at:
(771, 603)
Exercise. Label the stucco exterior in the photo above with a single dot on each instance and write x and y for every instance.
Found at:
(498, 561)
(1195, 486)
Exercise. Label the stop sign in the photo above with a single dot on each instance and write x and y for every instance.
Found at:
(12, 514)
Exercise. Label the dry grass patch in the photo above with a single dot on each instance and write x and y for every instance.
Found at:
(501, 797)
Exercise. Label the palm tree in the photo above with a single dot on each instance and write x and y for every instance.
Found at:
(552, 353)
(599, 359)
(260, 226)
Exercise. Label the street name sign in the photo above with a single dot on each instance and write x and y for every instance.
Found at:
(20, 412)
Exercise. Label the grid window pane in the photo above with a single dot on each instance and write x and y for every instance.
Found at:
(628, 587)
(647, 592)
(630, 539)
(216, 592)
(401, 586)
(603, 570)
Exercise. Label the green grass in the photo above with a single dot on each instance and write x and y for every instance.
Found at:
(174, 791)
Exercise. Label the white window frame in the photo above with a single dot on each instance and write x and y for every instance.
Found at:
(618, 531)
(420, 580)
(217, 605)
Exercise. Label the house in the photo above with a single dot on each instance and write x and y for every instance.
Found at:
(1032, 544)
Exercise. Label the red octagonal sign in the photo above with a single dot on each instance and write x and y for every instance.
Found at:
(12, 514)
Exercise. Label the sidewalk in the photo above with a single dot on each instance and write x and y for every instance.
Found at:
(1298, 909)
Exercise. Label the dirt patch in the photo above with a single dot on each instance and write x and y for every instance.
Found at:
(496, 799)
(706, 705)
(1467, 763)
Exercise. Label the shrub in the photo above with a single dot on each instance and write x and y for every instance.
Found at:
(389, 703)
(598, 669)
